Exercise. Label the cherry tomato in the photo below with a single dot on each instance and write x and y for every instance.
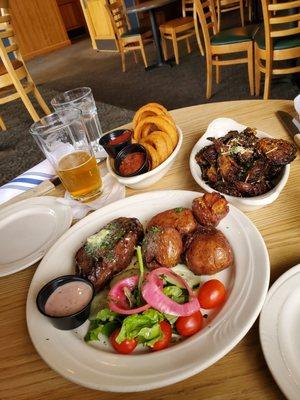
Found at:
(187, 326)
(125, 347)
(212, 294)
(167, 334)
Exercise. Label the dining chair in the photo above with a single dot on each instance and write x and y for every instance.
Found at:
(224, 6)
(179, 29)
(218, 44)
(128, 40)
(278, 42)
(15, 80)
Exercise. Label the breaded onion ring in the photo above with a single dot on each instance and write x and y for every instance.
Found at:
(156, 140)
(153, 155)
(146, 111)
(147, 130)
(167, 140)
(162, 125)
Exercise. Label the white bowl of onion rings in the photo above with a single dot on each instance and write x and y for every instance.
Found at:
(149, 178)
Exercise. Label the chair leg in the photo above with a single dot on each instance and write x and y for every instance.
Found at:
(41, 101)
(188, 45)
(135, 56)
(122, 54)
(250, 10)
(143, 53)
(268, 75)
(164, 47)
(242, 12)
(219, 15)
(27, 103)
(2, 124)
(218, 72)
(208, 76)
(175, 47)
(250, 68)
(256, 71)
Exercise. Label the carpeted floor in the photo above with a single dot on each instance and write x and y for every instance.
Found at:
(180, 86)
(18, 150)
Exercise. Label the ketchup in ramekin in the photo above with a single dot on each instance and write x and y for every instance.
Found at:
(131, 163)
(132, 160)
(113, 142)
(120, 139)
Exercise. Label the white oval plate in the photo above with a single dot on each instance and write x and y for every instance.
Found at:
(98, 366)
(28, 229)
(220, 127)
(279, 328)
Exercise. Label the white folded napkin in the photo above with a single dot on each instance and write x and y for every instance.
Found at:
(28, 180)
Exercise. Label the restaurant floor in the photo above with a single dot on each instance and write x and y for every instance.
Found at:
(180, 86)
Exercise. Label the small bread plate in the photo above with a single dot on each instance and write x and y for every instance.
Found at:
(218, 128)
(96, 365)
(279, 328)
(28, 229)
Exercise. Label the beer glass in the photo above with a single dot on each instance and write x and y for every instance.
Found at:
(83, 99)
(62, 138)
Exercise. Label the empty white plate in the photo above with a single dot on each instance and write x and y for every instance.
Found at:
(279, 332)
(28, 229)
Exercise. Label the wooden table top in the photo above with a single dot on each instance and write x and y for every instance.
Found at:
(147, 5)
(242, 374)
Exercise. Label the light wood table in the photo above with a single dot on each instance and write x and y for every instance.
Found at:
(241, 374)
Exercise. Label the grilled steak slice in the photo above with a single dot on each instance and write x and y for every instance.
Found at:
(109, 251)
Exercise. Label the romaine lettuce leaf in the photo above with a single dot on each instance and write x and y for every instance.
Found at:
(143, 327)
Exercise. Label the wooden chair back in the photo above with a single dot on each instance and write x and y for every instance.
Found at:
(187, 7)
(118, 17)
(229, 3)
(281, 18)
(9, 49)
(205, 13)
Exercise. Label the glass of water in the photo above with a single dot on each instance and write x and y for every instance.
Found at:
(83, 99)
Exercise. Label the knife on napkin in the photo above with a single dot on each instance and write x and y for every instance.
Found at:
(290, 125)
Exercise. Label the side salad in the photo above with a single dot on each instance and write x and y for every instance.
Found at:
(154, 308)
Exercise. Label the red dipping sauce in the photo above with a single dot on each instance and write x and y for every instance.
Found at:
(131, 163)
(120, 139)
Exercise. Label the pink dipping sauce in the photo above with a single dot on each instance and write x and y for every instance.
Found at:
(68, 299)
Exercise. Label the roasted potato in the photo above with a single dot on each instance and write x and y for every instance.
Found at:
(208, 252)
(162, 247)
(179, 218)
(210, 208)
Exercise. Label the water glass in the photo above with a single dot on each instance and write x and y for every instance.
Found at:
(62, 137)
(83, 99)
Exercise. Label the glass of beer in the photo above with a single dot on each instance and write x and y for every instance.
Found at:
(62, 137)
(83, 99)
